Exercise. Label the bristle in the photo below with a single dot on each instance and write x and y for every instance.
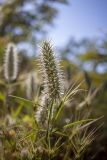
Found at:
(11, 63)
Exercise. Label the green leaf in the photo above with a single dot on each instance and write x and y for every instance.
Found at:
(2, 97)
(22, 99)
(17, 112)
(59, 110)
(89, 123)
(77, 122)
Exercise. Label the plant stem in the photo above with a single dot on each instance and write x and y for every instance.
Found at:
(48, 128)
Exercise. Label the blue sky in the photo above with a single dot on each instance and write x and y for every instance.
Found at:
(79, 19)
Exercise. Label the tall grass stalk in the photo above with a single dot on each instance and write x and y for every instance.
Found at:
(11, 68)
(11, 63)
(54, 100)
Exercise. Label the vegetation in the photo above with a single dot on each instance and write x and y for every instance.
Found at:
(49, 133)
(49, 112)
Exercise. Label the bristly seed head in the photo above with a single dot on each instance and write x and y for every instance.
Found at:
(31, 85)
(11, 63)
(41, 112)
(53, 83)
(52, 76)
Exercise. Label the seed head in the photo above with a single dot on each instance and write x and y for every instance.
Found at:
(53, 82)
(11, 63)
(41, 112)
(31, 85)
(52, 76)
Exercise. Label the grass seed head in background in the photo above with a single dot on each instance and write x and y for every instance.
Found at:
(11, 63)
(51, 72)
(31, 85)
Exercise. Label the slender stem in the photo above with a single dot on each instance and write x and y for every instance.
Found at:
(9, 90)
(67, 154)
(48, 128)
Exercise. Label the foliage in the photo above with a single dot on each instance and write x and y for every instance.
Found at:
(39, 128)
(73, 121)
(21, 19)
(90, 59)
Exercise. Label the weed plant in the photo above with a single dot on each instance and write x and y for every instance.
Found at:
(46, 134)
